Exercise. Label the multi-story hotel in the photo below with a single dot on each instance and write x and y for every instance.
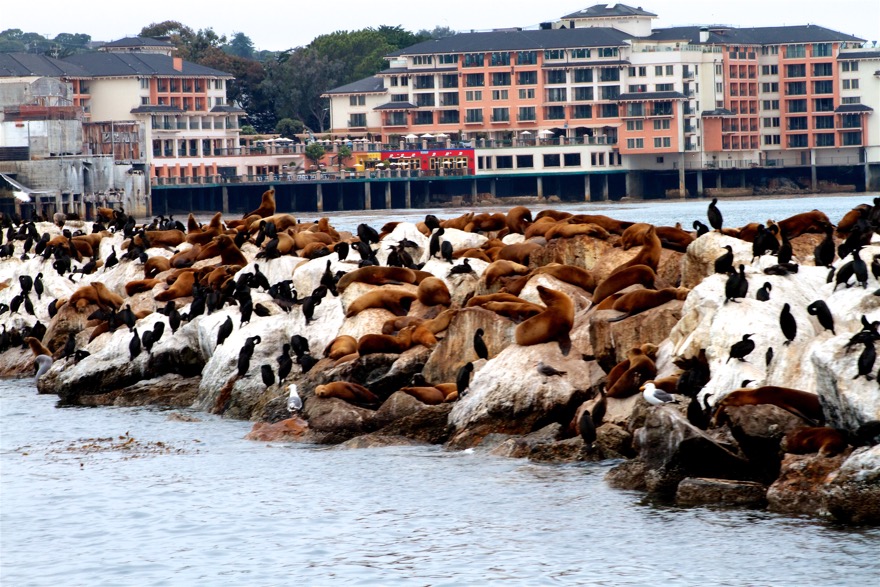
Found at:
(601, 89)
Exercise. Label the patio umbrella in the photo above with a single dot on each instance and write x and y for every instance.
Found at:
(427, 136)
(442, 135)
(411, 137)
(525, 133)
(545, 132)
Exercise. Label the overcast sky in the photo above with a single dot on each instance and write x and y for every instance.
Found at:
(283, 24)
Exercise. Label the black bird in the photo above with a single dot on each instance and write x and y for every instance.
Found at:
(174, 320)
(784, 254)
(763, 243)
(824, 251)
(38, 285)
(38, 330)
(328, 280)
(158, 331)
(111, 259)
(224, 331)
(432, 222)
(134, 347)
(299, 345)
(52, 308)
(586, 427)
(463, 378)
(259, 279)
(788, 324)
(782, 269)
(446, 251)
(820, 310)
(247, 308)
(434, 243)
(69, 346)
(308, 307)
(126, 316)
(306, 361)
(267, 375)
(285, 363)
(29, 306)
(763, 293)
(844, 272)
(480, 345)
(5, 308)
(341, 249)
(27, 283)
(549, 371)
(244, 355)
(866, 361)
(714, 214)
(737, 285)
(80, 355)
(464, 267)
(724, 263)
(15, 303)
(367, 233)
(860, 269)
(868, 334)
(740, 350)
(147, 340)
(696, 413)
(700, 228)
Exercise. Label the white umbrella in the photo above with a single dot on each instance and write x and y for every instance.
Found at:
(427, 136)
(525, 133)
(442, 136)
(411, 137)
(545, 132)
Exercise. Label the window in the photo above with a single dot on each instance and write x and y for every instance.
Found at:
(608, 111)
(609, 74)
(797, 123)
(527, 94)
(795, 88)
(771, 122)
(551, 54)
(582, 76)
(423, 60)
(145, 84)
(823, 122)
(582, 111)
(396, 119)
(499, 58)
(823, 69)
(608, 52)
(527, 78)
(632, 125)
(145, 100)
(473, 60)
(404, 81)
(357, 100)
(852, 139)
(850, 66)
(420, 117)
(424, 100)
(500, 115)
(635, 109)
(357, 120)
(796, 105)
(795, 51)
(771, 104)
(825, 139)
(473, 95)
(634, 88)
(501, 78)
(527, 58)
(851, 100)
(658, 70)
(523, 161)
(571, 159)
(503, 162)
(555, 76)
(473, 115)
(449, 117)
(669, 69)
(851, 121)
(474, 80)
(635, 143)
(662, 109)
(394, 81)
(661, 124)
(554, 113)
(719, 69)
(771, 139)
(423, 82)
(665, 87)
(662, 142)
(797, 141)
(719, 88)
(823, 105)
(449, 99)
(449, 80)
(580, 53)
(769, 70)
(850, 84)
(556, 95)
(610, 92)
(499, 94)
(526, 113)
(551, 160)
(799, 70)
(447, 59)
(583, 94)
(823, 87)
(821, 49)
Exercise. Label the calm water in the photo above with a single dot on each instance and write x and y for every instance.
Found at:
(206, 507)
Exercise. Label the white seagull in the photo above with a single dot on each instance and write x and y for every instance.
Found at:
(294, 402)
(657, 397)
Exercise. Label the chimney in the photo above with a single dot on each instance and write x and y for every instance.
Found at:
(178, 63)
(704, 34)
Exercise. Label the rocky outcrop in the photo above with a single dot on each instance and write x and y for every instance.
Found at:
(852, 493)
(701, 491)
(613, 340)
(799, 489)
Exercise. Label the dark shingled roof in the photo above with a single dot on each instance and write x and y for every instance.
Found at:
(850, 108)
(519, 41)
(715, 113)
(226, 108)
(602, 11)
(110, 64)
(138, 42)
(396, 106)
(774, 35)
(156, 108)
(367, 85)
(30, 64)
(864, 54)
(643, 96)
(399, 70)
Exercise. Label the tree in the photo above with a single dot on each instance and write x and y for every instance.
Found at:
(287, 127)
(342, 155)
(247, 129)
(67, 44)
(314, 152)
(439, 32)
(295, 85)
(240, 46)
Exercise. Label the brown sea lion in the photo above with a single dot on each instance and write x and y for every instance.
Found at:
(495, 297)
(518, 219)
(846, 224)
(427, 395)
(636, 274)
(140, 285)
(267, 205)
(824, 440)
(376, 275)
(607, 303)
(610, 224)
(554, 214)
(341, 346)
(433, 292)
(396, 301)
(348, 391)
(370, 344)
(305, 238)
(516, 311)
(181, 288)
(569, 274)
(37, 347)
(794, 226)
(539, 227)
(224, 247)
(156, 265)
(396, 324)
(314, 250)
(553, 324)
(186, 258)
(641, 369)
(634, 302)
(208, 232)
(800, 403)
(519, 252)
(162, 238)
(502, 268)
(650, 252)
(458, 223)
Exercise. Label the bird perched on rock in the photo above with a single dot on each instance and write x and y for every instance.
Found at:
(737, 285)
(267, 375)
(768, 356)
(224, 331)
(820, 310)
(480, 345)
(824, 251)
(69, 346)
(740, 350)
(866, 361)
(134, 346)
(724, 263)
(788, 324)
(586, 427)
(716, 220)
(657, 397)
(244, 355)
(700, 228)
(549, 371)
(464, 267)
(463, 378)
(285, 363)
(784, 254)
(294, 402)
(763, 293)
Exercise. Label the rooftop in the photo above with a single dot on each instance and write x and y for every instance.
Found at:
(112, 64)
(603, 11)
(33, 65)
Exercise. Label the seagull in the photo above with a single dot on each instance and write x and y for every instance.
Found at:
(657, 397)
(294, 402)
(549, 371)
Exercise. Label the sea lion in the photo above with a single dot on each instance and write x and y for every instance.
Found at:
(539, 227)
(569, 274)
(458, 223)
(519, 252)
(106, 298)
(487, 222)
(224, 247)
(650, 252)
(156, 265)
(162, 238)
(553, 214)
(396, 301)
(516, 311)
(607, 303)
(610, 224)
(305, 238)
(502, 268)
(821, 439)
(37, 347)
(347, 391)
(140, 285)
(800, 403)
(634, 302)
(641, 369)
(383, 343)
(567, 229)
(620, 279)
(181, 288)
(427, 395)
(185, 258)
(376, 275)
(314, 250)
(267, 205)
(208, 232)
(397, 324)
(433, 292)
(553, 324)
(341, 346)
(281, 221)
(813, 221)
(478, 301)
(518, 219)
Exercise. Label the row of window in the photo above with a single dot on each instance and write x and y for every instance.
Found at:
(635, 125)
(816, 50)
(659, 143)
(661, 70)
(800, 122)
(178, 85)
(188, 104)
(497, 115)
(847, 139)
(193, 122)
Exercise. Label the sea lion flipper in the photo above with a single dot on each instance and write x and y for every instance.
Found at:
(565, 344)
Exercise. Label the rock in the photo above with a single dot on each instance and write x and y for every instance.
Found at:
(403, 230)
(398, 405)
(799, 488)
(460, 240)
(377, 440)
(614, 441)
(428, 424)
(698, 262)
(612, 341)
(399, 374)
(167, 391)
(852, 494)
(283, 431)
(699, 491)
(631, 475)
(334, 420)
(523, 446)
(674, 449)
(758, 430)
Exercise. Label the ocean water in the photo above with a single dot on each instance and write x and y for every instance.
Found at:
(135, 496)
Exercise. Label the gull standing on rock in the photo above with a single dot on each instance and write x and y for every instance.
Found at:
(657, 397)
(549, 371)
(294, 402)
